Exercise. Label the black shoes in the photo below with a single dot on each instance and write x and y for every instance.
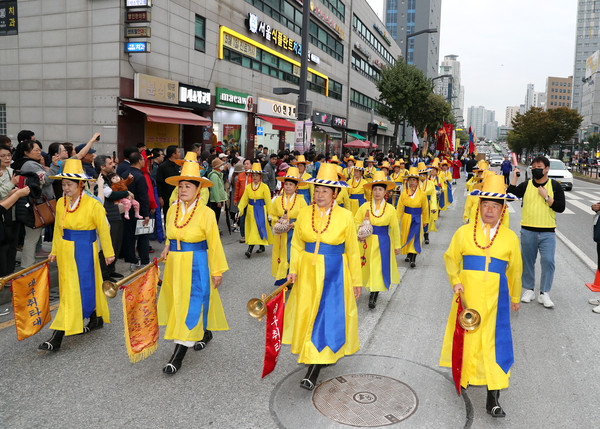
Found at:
(53, 344)
(426, 237)
(413, 259)
(175, 363)
(373, 299)
(261, 249)
(310, 379)
(249, 251)
(116, 275)
(492, 406)
(204, 341)
(94, 323)
(407, 259)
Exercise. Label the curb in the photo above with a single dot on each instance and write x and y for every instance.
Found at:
(573, 248)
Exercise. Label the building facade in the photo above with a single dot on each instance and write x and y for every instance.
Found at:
(404, 17)
(511, 112)
(587, 41)
(448, 85)
(529, 95)
(195, 71)
(558, 92)
(478, 117)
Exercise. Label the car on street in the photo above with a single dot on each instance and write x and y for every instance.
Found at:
(495, 161)
(559, 172)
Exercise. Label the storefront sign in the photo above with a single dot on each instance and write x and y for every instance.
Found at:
(275, 108)
(137, 31)
(137, 47)
(382, 34)
(339, 122)
(194, 97)
(234, 99)
(159, 135)
(362, 50)
(152, 88)
(137, 16)
(9, 20)
(277, 37)
(239, 45)
(322, 15)
(260, 131)
(321, 118)
(138, 3)
(377, 63)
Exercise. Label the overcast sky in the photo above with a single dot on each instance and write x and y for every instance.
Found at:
(504, 45)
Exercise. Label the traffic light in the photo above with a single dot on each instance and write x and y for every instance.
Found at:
(372, 128)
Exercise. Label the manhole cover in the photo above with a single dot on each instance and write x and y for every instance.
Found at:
(365, 400)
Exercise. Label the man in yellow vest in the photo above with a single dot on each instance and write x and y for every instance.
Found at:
(542, 199)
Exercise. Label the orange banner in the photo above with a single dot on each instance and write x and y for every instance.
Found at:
(275, 311)
(140, 316)
(31, 297)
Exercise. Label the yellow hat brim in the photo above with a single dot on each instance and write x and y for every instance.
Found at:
(174, 180)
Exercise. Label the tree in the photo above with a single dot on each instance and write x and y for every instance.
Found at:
(430, 114)
(402, 88)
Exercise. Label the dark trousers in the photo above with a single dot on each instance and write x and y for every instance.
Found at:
(506, 178)
(131, 241)
(116, 236)
(8, 248)
(215, 208)
(242, 224)
(469, 175)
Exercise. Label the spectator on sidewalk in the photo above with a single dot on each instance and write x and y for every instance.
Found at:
(167, 169)
(158, 156)
(270, 176)
(542, 199)
(243, 179)
(8, 245)
(506, 168)
(87, 160)
(217, 194)
(124, 167)
(471, 163)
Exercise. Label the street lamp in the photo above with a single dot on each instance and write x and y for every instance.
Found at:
(409, 36)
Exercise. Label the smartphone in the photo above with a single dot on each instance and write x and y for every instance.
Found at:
(98, 138)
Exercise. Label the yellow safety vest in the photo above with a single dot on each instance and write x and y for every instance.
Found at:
(536, 212)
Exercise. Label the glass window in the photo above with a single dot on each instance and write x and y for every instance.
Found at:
(200, 34)
(3, 119)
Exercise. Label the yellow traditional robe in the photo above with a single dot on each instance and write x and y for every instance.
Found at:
(90, 215)
(174, 298)
(418, 199)
(309, 186)
(305, 298)
(446, 178)
(252, 235)
(428, 187)
(356, 188)
(368, 174)
(279, 263)
(398, 179)
(481, 294)
(343, 200)
(372, 275)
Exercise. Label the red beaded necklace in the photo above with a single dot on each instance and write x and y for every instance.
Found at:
(495, 234)
(189, 217)
(357, 184)
(328, 218)
(408, 189)
(383, 211)
(293, 203)
(67, 206)
(252, 185)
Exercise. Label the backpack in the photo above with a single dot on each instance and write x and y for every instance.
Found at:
(24, 205)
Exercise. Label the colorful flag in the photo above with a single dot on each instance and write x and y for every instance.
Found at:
(458, 344)
(275, 311)
(416, 143)
(471, 142)
(140, 316)
(31, 298)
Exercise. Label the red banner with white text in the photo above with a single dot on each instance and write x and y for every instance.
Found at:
(275, 309)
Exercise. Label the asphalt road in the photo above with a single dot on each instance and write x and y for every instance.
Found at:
(90, 382)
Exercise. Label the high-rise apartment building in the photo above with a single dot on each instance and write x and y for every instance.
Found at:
(511, 112)
(404, 17)
(529, 96)
(478, 117)
(449, 86)
(559, 92)
(587, 41)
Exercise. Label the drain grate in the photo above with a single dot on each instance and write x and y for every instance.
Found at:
(365, 400)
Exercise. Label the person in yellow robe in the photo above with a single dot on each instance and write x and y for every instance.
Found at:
(204, 195)
(447, 188)
(80, 222)
(379, 267)
(356, 187)
(439, 181)
(386, 168)
(189, 303)
(472, 202)
(289, 203)
(256, 203)
(342, 199)
(321, 318)
(347, 171)
(370, 169)
(428, 188)
(397, 177)
(305, 189)
(484, 262)
(335, 160)
(478, 170)
(413, 214)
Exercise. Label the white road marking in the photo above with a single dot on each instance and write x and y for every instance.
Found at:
(585, 194)
(572, 196)
(578, 252)
(585, 207)
(567, 211)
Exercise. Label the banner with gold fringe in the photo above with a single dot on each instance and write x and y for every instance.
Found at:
(31, 298)
(275, 312)
(140, 316)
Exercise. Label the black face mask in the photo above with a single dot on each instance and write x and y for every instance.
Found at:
(537, 173)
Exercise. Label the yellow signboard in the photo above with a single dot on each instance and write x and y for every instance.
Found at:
(160, 135)
(146, 87)
(591, 64)
(239, 45)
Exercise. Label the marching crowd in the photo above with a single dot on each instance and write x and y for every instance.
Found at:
(336, 225)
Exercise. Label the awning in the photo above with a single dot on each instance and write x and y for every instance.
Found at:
(278, 124)
(357, 136)
(169, 115)
(329, 130)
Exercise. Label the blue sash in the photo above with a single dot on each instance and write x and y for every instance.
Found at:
(83, 249)
(329, 327)
(426, 227)
(504, 347)
(383, 235)
(259, 217)
(290, 234)
(306, 194)
(360, 197)
(415, 227)
(200, 290)
(441, 198)
(449, 190)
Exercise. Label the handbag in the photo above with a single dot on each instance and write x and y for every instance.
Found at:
(597, 228)
(44, 212)
(141, 229)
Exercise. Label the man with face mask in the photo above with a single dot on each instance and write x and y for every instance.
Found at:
(542, 199)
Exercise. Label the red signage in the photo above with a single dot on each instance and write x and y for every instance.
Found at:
(138, 16)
